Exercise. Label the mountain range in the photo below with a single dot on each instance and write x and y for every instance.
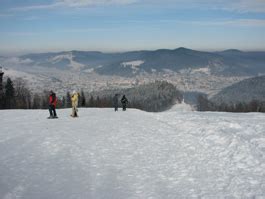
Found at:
(228, 63)
(189, 70)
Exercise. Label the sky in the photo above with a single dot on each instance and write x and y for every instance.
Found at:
(123, 25)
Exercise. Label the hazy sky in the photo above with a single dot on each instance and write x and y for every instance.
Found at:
(121, 25)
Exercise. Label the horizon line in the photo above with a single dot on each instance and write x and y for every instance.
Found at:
(22, 52)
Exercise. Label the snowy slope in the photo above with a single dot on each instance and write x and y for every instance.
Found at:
(70, 57)
(181, 107)
(133, 154)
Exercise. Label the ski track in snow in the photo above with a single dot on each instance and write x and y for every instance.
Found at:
(132, 154)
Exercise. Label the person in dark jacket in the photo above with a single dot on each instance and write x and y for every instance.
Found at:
(116, 102)
(124, 102)
(52, 105)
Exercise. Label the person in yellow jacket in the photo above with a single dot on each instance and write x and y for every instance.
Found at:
(74, 99)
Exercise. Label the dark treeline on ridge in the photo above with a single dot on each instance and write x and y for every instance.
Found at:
(153, 97)
(204, 104)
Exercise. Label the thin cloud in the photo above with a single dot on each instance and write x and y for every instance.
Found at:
(19, 33)
(246, 22)
(230, 5)
(36, 7)
(6, 15)
(221, 22)
(74, 30)
(84, 30)
(75, 4)
(31, 18)
(84, 3)
(248, 5)
(234, 23)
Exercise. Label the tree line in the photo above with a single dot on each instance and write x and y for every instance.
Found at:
(204, 104)
(15, 94)
(154, 97)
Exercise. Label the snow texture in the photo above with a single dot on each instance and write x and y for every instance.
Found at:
(205, 70)
(75, 65)
(135, 65)
(132, 154)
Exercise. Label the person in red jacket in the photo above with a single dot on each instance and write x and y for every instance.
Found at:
(52, 105)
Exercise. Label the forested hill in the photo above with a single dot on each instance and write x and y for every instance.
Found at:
(153, 97)
(244, 91)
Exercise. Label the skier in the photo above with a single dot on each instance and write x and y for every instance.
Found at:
(52, 105)
(116, 102)
(124, 102)
(74, 99)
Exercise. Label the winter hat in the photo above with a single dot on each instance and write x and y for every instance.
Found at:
(74, 92)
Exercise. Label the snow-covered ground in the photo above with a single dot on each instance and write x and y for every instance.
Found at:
(132, 154)
(181, 107)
